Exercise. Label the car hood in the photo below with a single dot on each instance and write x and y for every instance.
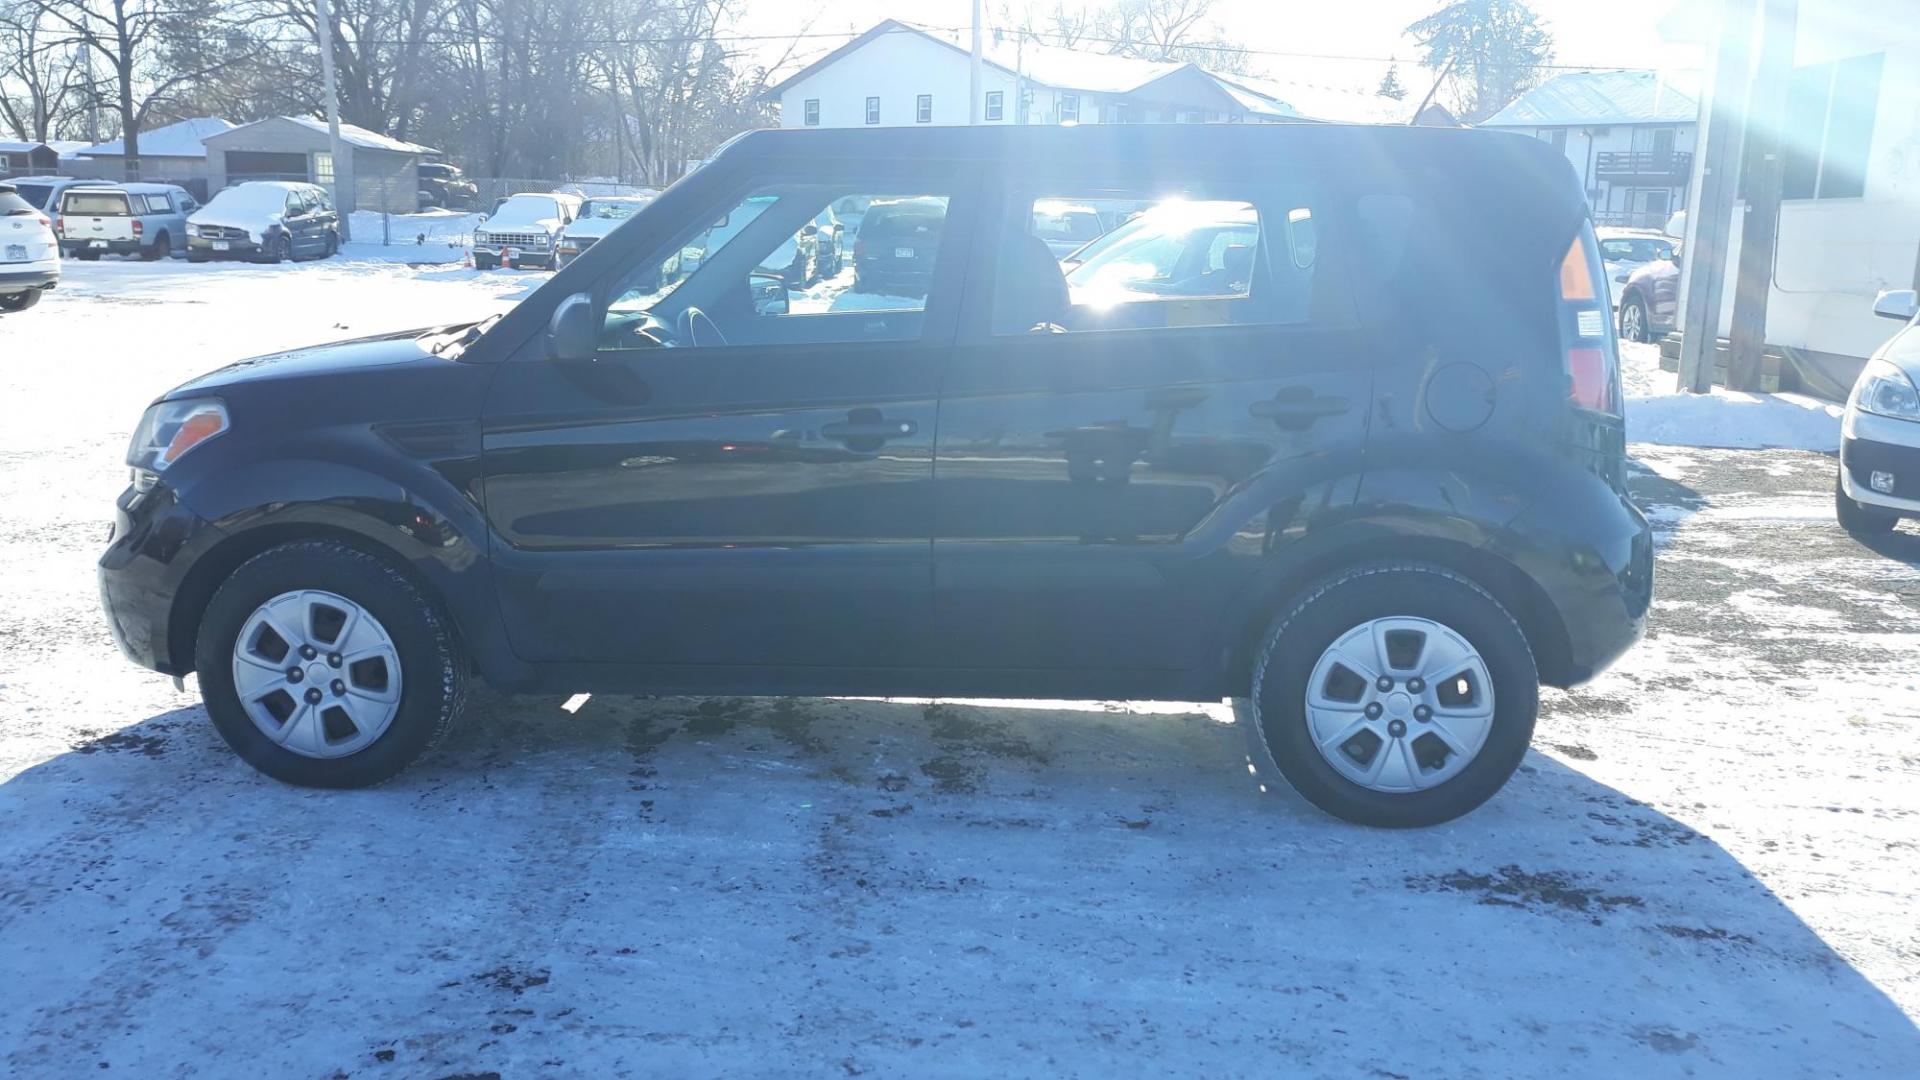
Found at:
(594, 227)
(383, 350)
(547, 224)
(249, 222)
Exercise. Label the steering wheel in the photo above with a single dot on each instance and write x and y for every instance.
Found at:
(693, 325)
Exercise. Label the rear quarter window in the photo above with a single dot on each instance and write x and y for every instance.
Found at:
(11, 204)
(98, 204)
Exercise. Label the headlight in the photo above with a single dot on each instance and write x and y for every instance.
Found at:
(192, 229)
(168, 431)
(1885, 390)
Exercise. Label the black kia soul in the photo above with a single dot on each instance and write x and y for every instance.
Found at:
(1330, 422)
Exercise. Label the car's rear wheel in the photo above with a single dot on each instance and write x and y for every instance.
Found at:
(19, 301)
(1635, 325)
(333, 245)
(1858, 520)
(161, 247)
(325, 666)
(1395, 694)
(87, 256)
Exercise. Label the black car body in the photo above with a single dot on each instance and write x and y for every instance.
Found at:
(658, 480)
(444, 185)
(1650, 301)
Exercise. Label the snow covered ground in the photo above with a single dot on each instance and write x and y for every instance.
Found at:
(1707, 866)
(1657, 412)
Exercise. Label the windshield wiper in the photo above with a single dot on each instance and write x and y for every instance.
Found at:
(455, 342)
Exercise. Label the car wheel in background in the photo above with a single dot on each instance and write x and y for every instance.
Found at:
(19, 301)
(1860, 521)
(333, 245)
(281, 249)
(484, 262)
(161, 247)
(1635, 325)
(1395, 694)
(324, 665)
(87, 256)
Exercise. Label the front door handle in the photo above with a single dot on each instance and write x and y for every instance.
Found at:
(867, 425)
(1298, 407)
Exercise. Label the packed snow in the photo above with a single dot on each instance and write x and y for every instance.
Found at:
(1704, 868)
(1659, 412)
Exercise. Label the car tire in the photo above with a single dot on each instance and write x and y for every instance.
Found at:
(333, 245)
(281, 249)
(87, 256)
(1636, 323)
(1465, 621)
(485, 262)
(161, 247)
(19, 301)
(432, 673)
(1860, 522)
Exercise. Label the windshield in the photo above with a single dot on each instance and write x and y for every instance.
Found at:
(250, 201)
(525, 210)
(608, 209)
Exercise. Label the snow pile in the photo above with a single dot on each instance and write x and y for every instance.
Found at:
(1658, 412)
(429, 236)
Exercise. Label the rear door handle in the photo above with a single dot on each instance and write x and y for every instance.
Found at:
(1299, 408)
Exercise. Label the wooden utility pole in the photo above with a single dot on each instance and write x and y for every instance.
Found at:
(342, 163)
(1710, 221)
(1765, 169)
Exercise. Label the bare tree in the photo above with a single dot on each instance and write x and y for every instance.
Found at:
(42, 82)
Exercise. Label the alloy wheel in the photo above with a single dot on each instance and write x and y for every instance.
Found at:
(317, 673)
(1400, 704)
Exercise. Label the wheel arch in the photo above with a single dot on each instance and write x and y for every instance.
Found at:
(1515, 590)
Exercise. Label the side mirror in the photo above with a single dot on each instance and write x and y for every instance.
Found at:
(572, 333)
(1897, 304)
(769, 295)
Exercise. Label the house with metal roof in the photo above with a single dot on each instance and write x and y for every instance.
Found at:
(898, 74)
(1629, 134)
(384, 171)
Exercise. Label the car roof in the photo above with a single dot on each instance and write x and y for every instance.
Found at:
(283, 185)
(1613, 232)
(137, 187)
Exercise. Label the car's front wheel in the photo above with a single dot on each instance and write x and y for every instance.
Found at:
(324, 665)
(1395, 694)
(1860, 521)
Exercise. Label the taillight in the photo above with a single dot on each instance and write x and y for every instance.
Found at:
(60, 227)
(44, 220)
(1586, 333)
(138, 227)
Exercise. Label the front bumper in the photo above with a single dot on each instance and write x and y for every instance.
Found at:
(154, 543)
(522, 256)
(235, 249)
(1870, 444)
(43, 275)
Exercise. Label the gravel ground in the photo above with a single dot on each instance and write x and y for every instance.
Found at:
(1706, 867)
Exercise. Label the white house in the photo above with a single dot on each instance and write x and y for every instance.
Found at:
(1629, 135)
(174, 154)
(896, 74)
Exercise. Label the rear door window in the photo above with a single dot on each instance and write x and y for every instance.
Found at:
(96, 203)
(1192, 258)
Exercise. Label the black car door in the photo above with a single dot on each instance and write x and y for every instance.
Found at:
(1104, 429)
(741, 473)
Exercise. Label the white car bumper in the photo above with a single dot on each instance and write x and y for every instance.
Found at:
(1872, 444)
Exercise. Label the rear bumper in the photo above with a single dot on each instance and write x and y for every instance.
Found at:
(154, 542)
(1592, 555)
(34, 276)
(111, 247)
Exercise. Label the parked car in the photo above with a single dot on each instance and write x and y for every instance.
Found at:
(1649, 299)
(43, 193)
(444, 185)
(1879, 481)
(524, 230)
(1622, 251)
(270, 220)
(810, 254)
(29, 254)
(1377, 502)
(148, 220)
(598, 216)
(898, 243)
(1065, 227)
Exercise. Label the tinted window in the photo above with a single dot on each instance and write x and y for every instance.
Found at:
(95, 203)
(158, 204)
(1179, 261)
(35, 194)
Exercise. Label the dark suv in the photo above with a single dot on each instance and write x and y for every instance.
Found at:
(1303, 463)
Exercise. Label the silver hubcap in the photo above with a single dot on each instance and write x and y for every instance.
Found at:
(1630, 322)
(1400, 704)
(317, 673)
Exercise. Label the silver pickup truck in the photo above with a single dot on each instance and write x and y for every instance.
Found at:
(148, 220)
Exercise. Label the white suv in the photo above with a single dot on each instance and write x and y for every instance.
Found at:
(29, 254)
(1880, 433)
